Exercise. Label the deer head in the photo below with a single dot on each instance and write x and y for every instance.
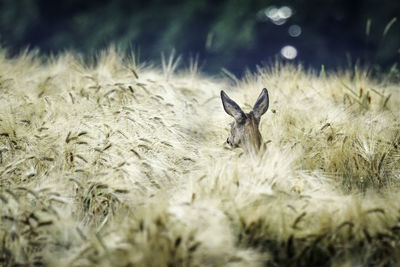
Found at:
(244, 130)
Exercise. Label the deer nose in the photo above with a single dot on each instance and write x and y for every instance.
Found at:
(227, 141)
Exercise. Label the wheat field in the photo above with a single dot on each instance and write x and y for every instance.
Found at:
(118, 163)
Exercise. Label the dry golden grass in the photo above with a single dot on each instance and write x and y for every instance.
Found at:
(120, 164)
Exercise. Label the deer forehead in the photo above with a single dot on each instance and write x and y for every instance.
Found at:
(250, 120)
(249, 124)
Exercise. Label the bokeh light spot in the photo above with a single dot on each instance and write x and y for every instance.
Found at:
(294, 30)
(277, 15)
(285, 12)
(289, 52)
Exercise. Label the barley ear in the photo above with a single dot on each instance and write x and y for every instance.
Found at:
(232, 108)
(261, 105)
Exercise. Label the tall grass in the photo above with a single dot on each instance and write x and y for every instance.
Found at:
(123, 164)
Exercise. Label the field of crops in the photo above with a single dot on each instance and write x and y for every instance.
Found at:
(119, 163)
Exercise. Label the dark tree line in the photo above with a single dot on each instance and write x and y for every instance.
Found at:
(234, 34)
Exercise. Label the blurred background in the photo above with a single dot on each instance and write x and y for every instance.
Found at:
(232, 34)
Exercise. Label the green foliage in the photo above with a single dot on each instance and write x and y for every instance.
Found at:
(227, 34)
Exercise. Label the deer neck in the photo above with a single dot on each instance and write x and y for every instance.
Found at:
(252, 138)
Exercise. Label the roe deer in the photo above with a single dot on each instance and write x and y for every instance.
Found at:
(244, 130)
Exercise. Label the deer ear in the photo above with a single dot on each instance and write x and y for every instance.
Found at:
(261, 105)
(232, 108)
